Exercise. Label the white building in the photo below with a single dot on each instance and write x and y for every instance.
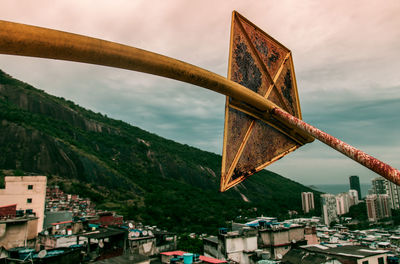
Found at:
(381, 185)
(236, 246)
(329, 212)
(342, 203)
(247, 245)
(353, 197)
(307, 201)
(28, 192)
(393, 191)
(378, 207)
(378, 185)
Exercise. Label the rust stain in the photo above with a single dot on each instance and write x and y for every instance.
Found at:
(251, 75)
(271, 52)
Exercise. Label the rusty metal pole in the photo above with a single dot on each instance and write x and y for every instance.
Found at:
(361, 157)
(25, 40)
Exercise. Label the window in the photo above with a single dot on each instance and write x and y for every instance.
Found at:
(381, 261)
(30, 187)
(29, 200)
(365, 262)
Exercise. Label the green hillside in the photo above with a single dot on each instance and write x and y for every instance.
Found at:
(124, 168)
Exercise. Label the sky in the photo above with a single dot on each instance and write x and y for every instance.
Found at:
(346, 56)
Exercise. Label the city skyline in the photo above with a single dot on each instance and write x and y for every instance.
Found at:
(348, 86)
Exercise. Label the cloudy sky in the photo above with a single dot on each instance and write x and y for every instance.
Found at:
(346, 55)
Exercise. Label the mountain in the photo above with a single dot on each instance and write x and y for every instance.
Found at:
(124, 168)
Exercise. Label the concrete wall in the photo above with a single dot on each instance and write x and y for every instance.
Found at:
(296, 234)
(264, 238)
(32, 228)
(241, 244)
(236, 256)
(373, 259)
(281, 236)
(250, 243)
(145, 247)
(211, 250)
(166, 247)
(16, 234)
(50, 242)
(280, 251)
(17, 192)
(234, 247)
(279, 241)
(311, 239)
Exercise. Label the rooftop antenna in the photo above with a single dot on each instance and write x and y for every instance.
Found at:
(263, 116)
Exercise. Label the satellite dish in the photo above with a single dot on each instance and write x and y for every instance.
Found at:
(279, 256)
(144, 232)
(150, 233)
(137, 234)
(294, 241)
(42, 253)
(46, 233)
(130, 225)
(131, 235)
(101, 244)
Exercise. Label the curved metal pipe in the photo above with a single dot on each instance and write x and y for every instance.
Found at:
(25, 40)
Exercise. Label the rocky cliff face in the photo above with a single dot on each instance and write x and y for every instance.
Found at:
(124, 168)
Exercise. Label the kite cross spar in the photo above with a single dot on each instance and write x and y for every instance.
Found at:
(262, 114)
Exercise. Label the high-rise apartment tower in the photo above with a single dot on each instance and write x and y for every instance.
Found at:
(307, 201)
(355, 185)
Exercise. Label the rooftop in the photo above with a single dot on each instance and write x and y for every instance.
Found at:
(103, 233)
(212, 239)
(349, 251)
(18, 219)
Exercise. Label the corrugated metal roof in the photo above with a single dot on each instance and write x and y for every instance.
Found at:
(103, 233)
(211, 260)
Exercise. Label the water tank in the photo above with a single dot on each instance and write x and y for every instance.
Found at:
(188, 258)
(223, 231)
(265, 255)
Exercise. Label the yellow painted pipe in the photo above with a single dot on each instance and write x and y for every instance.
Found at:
(25, 40)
